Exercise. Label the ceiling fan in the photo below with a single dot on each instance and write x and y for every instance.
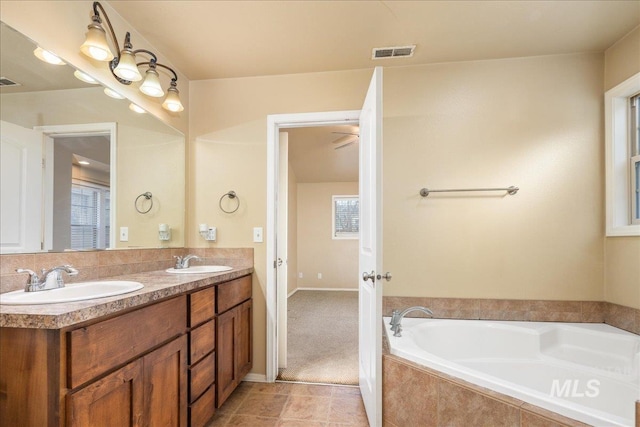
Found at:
(346, 139)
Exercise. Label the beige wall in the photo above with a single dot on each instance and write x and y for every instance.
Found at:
(292, 231)
(622, 254)
(318, 252)
(535, 123)
(228, 131)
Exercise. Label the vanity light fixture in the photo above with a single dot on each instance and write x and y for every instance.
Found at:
(48, 57)
(135, 108)
(85, 77)
(123, 66)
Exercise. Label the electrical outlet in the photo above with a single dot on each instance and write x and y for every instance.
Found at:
(124, 234)
(300, 275)
(319, 275)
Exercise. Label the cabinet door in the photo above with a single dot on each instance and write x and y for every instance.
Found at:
(244, 338)
(114, 401)
(165, 385)
(227, 372)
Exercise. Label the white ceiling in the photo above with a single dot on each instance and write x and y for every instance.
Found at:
(222, 39)
(226, 39)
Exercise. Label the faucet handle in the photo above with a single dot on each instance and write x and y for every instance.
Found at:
(33, 276)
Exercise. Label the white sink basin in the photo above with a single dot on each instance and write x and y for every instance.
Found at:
(200, 269)
(71, 292)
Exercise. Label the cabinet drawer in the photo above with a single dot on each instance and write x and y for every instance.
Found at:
(202, 340)
(203, 409)
(202, 306)
(97, 348)
(201, 376)
(233, 293)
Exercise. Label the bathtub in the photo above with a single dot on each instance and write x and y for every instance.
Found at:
(588, 372)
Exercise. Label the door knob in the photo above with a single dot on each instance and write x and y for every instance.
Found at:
(386, 276)
(369, 276)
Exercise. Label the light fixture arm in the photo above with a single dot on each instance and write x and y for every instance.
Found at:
(124, 61)
(154, 64)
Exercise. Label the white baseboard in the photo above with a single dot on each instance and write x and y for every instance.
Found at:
(255, 378)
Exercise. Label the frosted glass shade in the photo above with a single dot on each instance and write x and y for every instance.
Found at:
(172, 101)
(127, 68)
(151, 85)
(95, 44)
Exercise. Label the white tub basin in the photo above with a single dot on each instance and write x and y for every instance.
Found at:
(200, 269)
(71, 292)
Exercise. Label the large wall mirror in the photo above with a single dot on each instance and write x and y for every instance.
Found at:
(78, 166)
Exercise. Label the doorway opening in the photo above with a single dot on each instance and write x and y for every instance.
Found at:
(283, 281)
(79, 191)
(322, 230)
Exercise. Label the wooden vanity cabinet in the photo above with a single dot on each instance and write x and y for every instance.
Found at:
(151, 389)
(170, 363)
(145, 392)
(234, 336)
(202, 356)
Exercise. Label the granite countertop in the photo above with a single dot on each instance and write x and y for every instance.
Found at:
(158, 285)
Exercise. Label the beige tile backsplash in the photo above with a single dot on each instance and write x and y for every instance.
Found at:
(622, 317)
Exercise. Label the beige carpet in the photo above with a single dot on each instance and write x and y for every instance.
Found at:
(322, 338)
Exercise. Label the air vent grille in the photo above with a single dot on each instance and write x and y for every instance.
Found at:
(393, 52)
(5, 82)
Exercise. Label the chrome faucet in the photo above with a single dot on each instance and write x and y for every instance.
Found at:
(183, 262)
(397, 315)
(51, 279)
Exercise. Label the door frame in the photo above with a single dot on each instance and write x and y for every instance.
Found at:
(275, 123)
(77, 130)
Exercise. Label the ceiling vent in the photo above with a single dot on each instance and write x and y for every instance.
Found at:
(393, 52)
(5, 82)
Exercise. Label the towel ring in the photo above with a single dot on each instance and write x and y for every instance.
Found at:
(147, 196)
(231, 195)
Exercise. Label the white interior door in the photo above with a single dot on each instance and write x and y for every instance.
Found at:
(281, 246)
(20, 189)
(370, 290)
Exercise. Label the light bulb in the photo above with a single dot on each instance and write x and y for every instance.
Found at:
(85, 77)
(134, 107)
(48, 57)
(95, 44)
(151, 85)
(127, 68)
(112, 93)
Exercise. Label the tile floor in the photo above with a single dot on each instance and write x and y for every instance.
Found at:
(291, 405)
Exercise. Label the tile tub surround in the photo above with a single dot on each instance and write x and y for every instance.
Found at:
(413, 395)
(622, 317)
(96, 265)
(158, 284)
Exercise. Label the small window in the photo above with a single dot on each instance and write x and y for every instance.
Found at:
(622, 158)
(89, 217)
(346, 217)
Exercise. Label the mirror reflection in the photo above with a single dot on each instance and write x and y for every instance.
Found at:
(74, 160)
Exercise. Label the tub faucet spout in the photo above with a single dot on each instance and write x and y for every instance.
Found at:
(397, 315)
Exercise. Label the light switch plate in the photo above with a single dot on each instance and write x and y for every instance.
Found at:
(257, 234)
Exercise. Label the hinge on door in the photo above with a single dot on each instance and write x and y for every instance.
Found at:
(275, 264)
